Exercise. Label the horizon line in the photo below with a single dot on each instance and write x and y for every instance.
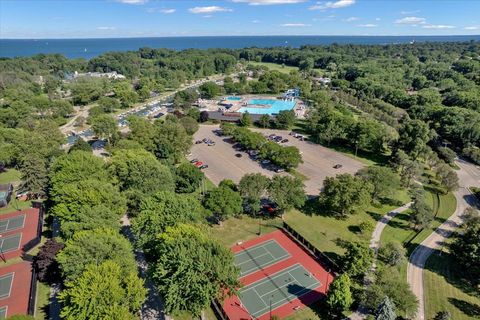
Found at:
(232, 36)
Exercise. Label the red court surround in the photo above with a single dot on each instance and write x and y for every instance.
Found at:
(17, 302)
(297, 255)
(29, 230)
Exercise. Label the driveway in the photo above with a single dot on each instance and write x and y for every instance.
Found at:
(317, 163)
(469, 175)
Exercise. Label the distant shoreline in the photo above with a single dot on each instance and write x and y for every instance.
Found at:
(88, 48)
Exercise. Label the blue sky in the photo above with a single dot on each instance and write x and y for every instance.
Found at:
(147, 18)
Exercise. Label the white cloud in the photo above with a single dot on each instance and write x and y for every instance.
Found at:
(377, 19)
(132, 1)
(409, 12)
(268, 2)
(437, 26)
(350, 19)
(332, 5)
(255, 21)
(367, 25)
(168, 11)
(210, 9)
(106, 28)
(295, 25)
(411, 21)
(472, 28)
(207, 16)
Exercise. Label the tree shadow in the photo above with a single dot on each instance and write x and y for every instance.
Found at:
(470, 309)
(354, 229)
(375, 215)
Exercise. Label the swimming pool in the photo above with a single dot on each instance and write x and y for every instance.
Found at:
(275, 106)
(234, 98)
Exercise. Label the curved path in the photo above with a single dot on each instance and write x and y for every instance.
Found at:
(361, 313)
(469, 175)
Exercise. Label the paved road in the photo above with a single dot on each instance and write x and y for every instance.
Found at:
(362, 312)
(318, 161)
(469, 175)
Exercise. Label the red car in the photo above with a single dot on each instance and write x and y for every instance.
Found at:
(198, 164)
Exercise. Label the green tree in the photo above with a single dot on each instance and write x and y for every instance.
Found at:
(103, 291)
(392, 253)
(339, 296)
(287, 192)
(223, 202)
(264, 121)
(466, 249)
(384, 181)
(191, 269)
(414, 135)
(172, 142)
(34, 175)
(80, 145)
(94, 247)
(162, 210)
(344, 194)
(443, 315)
(187, 178)
(190, 124)
(422, 214)
(209, 90)
(448, 177)
(142, 131)
(358, 259)
(386, 310)
(246, 120)
(285, 119)
(104, 126)
(252, 187)
(89, 218)
(108, 104)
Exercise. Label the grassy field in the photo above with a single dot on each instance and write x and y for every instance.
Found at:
(274, 66)
(399, 227)
(445, 289)
(327, 232)
(10, 176)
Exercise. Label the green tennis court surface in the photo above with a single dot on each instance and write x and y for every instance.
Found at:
(277, 290)
(3, 312)
(12, 223)
(10, 243)
(257, 257)
(6, 285)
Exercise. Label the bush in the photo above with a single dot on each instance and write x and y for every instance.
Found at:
(393, 253)
(45, 262)
(446, 154)
(473, 153)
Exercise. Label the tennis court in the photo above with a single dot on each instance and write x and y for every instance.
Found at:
(6, 285)
(3, 312)
(278, 276)
(277, 289)
(260, 256)
(10, 243)
(13, 223)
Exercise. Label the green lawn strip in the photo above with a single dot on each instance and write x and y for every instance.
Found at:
(446, 289)
(15, 205)
(327, 233)
(10, 176)
(43, 301)
(243, 228)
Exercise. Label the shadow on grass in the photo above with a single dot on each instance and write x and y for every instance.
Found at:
(354, 229)
(445, 265)
(470, 309)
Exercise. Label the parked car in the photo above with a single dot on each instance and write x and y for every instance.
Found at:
(205, 166)
(198, 141)
(198, 164)
(265, 161)
(211, 143)
(193, 160)
(278, 170)
(337, 166)
(284, 141)
(238, 155)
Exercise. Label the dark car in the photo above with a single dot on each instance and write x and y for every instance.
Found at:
(159, 115)
(205, 166)
(198, 141)
(238, 155)
(337, 166)
(284, 140)
(193, 160)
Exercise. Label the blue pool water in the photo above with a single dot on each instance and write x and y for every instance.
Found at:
(234, 98)
(275, 106)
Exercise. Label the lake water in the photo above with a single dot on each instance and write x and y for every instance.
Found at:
(88, 48)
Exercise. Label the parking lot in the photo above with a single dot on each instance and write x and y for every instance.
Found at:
(318, 162)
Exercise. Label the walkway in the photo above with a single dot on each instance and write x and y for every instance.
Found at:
(362, 313)
(153, 306)
(468, 176)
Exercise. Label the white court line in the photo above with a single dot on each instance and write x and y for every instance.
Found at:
(239, 264)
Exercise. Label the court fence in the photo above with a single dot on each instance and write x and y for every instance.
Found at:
(32, 300)
(217, 308)
(319, 256)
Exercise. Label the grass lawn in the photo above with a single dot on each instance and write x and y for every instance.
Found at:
(327, 232)
(43, 300)
(242, 229)
(274, 66)
(10, 176)
(445, 289)
(14, 205)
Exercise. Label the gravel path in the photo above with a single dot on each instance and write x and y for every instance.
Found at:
(362, 312)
